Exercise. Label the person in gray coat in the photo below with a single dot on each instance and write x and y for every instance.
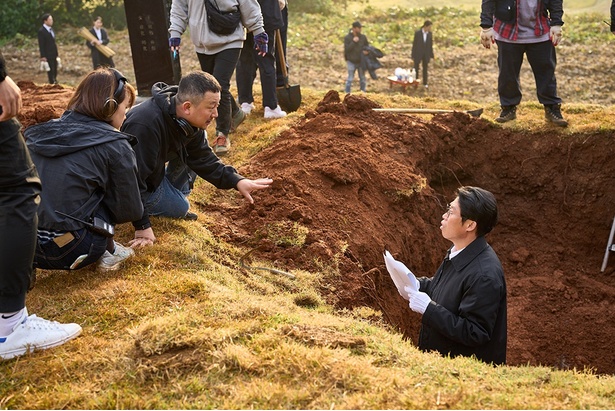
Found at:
(464, 304)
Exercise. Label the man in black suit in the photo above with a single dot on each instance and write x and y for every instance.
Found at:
(48, 48)
(422, 49)
(98, 58)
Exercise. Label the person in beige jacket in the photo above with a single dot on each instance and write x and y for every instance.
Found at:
(218, 53)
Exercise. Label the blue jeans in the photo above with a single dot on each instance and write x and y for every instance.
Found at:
(51, 256)
(352, 67)
(169, 199)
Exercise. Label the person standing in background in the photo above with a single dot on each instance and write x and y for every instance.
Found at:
(525, 27)
(47, 47)
(250, 59)
(98, 58)
(218, 53)
(354, 45)
(422, 49)
(20, 187)
(613, 16)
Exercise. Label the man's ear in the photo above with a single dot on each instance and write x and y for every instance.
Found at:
(471, 225)
(186, 107)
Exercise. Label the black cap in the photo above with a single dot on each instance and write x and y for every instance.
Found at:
(356, 24)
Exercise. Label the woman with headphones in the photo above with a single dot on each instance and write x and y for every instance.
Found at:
(89, 175)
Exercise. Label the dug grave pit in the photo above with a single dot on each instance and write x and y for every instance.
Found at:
(349, 181)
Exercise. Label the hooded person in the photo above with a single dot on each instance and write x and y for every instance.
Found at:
(173, 150)
(89, 175)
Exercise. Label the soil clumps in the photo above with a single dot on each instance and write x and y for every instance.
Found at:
(350, 182)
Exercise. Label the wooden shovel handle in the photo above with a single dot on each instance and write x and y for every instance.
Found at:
(280, 50)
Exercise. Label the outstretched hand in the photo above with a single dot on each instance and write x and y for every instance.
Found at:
(246, 186)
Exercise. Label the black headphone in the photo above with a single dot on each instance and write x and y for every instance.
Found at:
(183, 124)
(186, 127)
(111, 103)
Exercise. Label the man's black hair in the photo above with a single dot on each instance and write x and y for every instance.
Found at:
(45, 16)
(480, 206)
(193, 86)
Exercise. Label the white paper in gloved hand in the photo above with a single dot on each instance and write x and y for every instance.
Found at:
(401, 275)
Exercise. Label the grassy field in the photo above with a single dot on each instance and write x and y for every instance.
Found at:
(184, 326)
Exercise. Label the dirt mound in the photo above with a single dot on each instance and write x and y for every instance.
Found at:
(350, 181)
(355, 181)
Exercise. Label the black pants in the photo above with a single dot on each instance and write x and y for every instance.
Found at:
(249, 60)
(417, 64)
(19, 196)
(542, 59)
(52, 74)
(222, 65)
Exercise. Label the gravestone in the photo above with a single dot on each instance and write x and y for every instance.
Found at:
(148, 24)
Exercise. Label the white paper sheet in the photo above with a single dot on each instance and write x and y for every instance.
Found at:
(400, 274)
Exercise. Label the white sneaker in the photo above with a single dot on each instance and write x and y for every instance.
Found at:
(110, 262)
(247, 107)
(275, 113)
(34, 333)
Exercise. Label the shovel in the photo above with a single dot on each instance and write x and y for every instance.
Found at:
(473, 113)
(289, 97)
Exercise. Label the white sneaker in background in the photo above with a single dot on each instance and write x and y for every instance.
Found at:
(34, 333)
(275, 113)
(111, 262)
(247, 107)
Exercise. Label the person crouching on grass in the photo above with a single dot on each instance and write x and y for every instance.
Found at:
(88, 169)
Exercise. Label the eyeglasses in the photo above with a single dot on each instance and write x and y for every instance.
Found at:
(449, 211)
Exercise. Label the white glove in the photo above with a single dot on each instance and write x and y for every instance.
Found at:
(556, 35)
(487, 37)
(44, 66)
(419, 301)
(59, 61)
(282, 4)
(400, 274)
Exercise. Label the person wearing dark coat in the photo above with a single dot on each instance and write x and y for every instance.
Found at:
(20, 188)
(422, 49)
(173, 149)
(613, 16)
(47, 47)
(90, 170)
(98, 58)
(464, 304)
(354, 48)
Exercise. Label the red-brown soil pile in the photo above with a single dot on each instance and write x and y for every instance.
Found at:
(357, 181)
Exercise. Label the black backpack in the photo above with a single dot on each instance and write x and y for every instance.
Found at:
(222, 22)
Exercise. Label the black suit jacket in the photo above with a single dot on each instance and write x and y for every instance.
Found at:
(422, 50)
(47, 44)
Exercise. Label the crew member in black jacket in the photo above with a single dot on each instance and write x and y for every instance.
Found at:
(464, 304)
(98, 58)
(422, 49)
(47, 47)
